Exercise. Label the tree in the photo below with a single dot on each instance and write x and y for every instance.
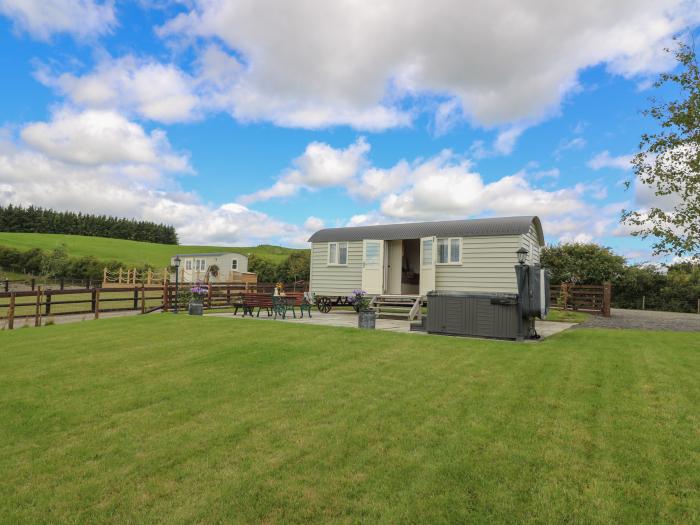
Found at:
(580, 263)
(55, 263)
(296, 267)
(669, 163)
(267, 271)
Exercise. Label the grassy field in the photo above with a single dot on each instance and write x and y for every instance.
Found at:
(566, 316)
(182, 419)
(129, 252)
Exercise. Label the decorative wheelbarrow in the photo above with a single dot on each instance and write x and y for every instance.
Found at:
(325, 303)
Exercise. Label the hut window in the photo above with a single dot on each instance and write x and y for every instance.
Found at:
(449, 250)
(372, 250)
(428, 252)
(455, 250)
(234, 264)
(188, 264)
(337, 253)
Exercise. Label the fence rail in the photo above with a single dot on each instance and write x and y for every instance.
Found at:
(49, 302)
(594, 299)
(225, 295)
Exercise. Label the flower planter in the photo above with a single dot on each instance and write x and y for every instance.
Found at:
(366, 319)
(195, 309)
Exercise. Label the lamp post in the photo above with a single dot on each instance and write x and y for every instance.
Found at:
(176, 262)
(522, 278)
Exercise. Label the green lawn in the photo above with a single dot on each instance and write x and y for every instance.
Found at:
(566, 316)
(129, 252)
(211, 420)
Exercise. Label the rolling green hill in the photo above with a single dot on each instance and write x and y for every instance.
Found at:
(129, 252)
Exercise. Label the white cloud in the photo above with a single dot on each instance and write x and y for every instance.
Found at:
(152, 90)
(445, 186)
(321, 166)
(576, 143)
(605, 160)
(98, 162)
(44, 18)
(101, 137)
(351, 64)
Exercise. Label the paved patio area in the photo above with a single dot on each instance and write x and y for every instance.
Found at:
(349, 320)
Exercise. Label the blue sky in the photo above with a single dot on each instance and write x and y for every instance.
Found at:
(258, 121)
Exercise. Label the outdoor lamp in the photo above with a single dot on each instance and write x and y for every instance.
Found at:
(522, 255)
(176, 261)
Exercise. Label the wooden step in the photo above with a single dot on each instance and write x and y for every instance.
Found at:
(398, 306)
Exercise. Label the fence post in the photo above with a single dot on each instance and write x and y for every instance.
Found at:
(37, 309)
(698, 306)
(565, 293)
(644, 300)
(209, 295)
(166, 292)
(97, 303)
(143, 298)
(11, 312)
(93, 300)
(33, 283)
(48, 302)
(228, 295)
(607, 298)
(136, 298)
(7, 285)
(63, 283)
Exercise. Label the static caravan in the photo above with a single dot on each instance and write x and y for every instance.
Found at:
(414, 259)
(213, 267)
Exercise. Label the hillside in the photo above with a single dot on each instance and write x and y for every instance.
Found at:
(129, 252)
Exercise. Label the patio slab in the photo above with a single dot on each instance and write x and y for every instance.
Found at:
(349, 320)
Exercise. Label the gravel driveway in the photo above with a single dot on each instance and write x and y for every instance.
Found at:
(645, 320)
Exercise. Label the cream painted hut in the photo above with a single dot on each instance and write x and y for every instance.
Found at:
(413, 259)
(213, 267)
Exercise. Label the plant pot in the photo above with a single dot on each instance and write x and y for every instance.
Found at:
(195, 309)
(366, 319)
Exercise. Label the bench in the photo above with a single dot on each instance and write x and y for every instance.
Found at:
(251, 301)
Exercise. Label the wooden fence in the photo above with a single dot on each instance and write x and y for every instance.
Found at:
(31, 283)
(129, 277)
(589, 298)
(225, 295)
(48, 302)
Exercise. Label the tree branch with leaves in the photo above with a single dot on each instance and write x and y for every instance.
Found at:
(669, 163)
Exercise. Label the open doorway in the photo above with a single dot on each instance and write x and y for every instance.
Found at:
(410, 267)
(402, 269)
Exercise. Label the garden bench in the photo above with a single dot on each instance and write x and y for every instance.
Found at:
(251, 301)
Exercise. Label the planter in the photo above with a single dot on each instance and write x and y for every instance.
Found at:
(366, 319)
(195, 309)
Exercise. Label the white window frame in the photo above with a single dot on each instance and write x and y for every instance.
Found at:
(188, 264)
(234, 264)
(449, 251)
(427, 252)
(337, 245)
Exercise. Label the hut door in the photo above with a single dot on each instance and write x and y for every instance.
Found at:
(428, 255)
(373, 266)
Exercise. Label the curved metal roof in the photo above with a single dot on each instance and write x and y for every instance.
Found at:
(416, 230)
